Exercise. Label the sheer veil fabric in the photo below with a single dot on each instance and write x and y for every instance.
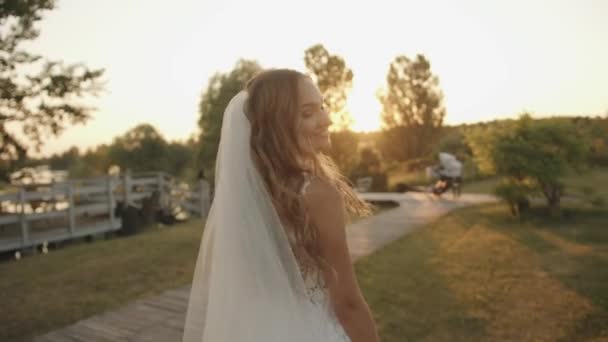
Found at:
(247, 285)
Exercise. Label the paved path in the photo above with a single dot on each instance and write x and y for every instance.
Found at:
(161, 318)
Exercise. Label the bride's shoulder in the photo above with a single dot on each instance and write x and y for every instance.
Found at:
(320, 194)
(325, 207)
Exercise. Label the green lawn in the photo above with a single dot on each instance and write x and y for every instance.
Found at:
(477, 275)
(595, 179)
(47, 291)
(474, 275)
(44, 292)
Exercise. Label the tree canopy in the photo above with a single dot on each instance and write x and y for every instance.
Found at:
(38, 97)
(532, 154)
(334, 79)
(220, 89)
(412, 107)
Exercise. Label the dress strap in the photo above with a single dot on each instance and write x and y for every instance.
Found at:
(307, 180)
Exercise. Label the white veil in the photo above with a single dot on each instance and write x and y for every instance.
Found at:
(247, 285)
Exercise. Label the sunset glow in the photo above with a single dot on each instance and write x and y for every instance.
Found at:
(366, 113)
(493, 59)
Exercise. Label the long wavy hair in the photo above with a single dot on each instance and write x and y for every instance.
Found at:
(273, 110)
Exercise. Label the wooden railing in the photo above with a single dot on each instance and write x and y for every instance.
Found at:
(40, 213)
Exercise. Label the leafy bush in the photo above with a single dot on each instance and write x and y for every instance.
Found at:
(532, 152)
(370, 166)
(516, 196)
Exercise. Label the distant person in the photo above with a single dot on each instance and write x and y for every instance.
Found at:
(449, 171)
(201, 175)
(274, 265)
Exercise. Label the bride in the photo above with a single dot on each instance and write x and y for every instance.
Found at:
(274, 265)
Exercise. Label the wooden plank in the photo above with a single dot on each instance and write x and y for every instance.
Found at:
(59, 234)
(10, 197)
(8, 219)
(145, 174)
(103, 330)
(55, 336)
(123, 319)
(100, 226)
(134, 196)
(181, 294)
(46, 215)
(11, 244)
(84, 334)
(88, 179)
(90, 189)
(145, 181)
(120, 322)
(149, 313)
(166, 303)
(174, 302)
(92, 209)
(49, 195)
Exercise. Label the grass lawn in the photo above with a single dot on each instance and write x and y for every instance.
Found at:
(595, 178)
(44, 292)
(477, 275)
(474, 275)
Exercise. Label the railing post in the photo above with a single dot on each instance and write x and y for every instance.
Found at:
(111, 201)
(25, 234)
(126, 186)
(160, 181)
(71, 209)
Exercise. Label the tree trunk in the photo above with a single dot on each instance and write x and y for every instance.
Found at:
(553, 194)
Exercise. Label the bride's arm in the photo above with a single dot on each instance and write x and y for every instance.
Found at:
(326, 209)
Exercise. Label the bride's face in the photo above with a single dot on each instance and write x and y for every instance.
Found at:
(314, 118)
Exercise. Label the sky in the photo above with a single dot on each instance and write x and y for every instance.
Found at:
(494, 59)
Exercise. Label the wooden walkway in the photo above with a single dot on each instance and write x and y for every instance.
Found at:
(161, 318)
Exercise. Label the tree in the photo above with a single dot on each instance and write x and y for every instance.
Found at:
(35, 103)
(334, 79)
(412, 105)
(140, 149)
(535, 155)
(343, 151)
(181, 157)
(370, 165)
(220, 89)
(63, 161)
(92, 163)
(481, 139)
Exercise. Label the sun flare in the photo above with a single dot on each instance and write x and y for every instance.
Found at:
(365, 111)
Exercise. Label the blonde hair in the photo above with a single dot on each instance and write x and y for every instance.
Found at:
(273, 110)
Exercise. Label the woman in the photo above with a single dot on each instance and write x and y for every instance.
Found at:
(274, 264)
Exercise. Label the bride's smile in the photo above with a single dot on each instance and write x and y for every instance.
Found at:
(314, 117)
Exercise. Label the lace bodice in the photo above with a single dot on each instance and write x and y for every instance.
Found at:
(317, 295)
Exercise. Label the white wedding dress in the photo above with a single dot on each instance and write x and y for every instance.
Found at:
(247, 284)
(318, 299)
